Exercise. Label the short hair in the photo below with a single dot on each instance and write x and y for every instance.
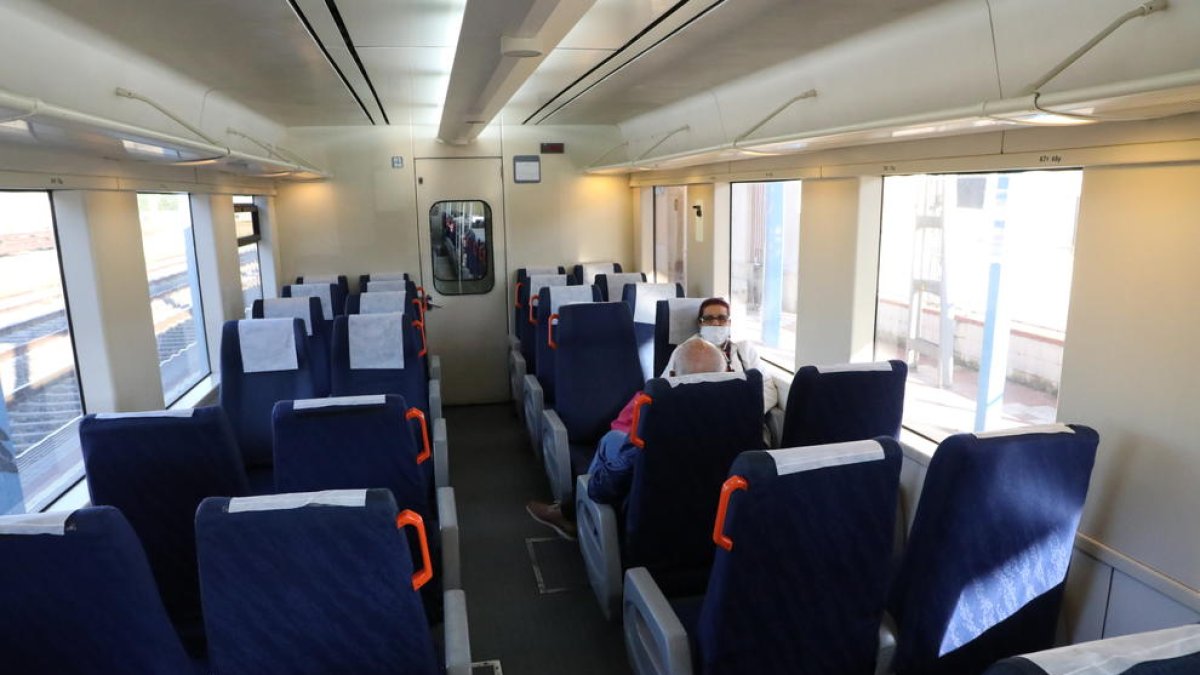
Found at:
(709, 302)
(698, 356)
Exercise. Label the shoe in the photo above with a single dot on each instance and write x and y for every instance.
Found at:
(551, 516)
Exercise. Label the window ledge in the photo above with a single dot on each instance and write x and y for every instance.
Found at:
(203, 393)
(916, 447)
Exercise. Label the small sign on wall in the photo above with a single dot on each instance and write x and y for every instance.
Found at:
(527, 169)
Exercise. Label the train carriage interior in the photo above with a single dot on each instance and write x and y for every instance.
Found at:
(599, 336)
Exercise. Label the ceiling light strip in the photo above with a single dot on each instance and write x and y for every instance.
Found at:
(329, 57)
(345, 32)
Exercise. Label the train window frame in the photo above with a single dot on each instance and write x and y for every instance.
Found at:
(452, 286)
(64, 440)
(252, 209)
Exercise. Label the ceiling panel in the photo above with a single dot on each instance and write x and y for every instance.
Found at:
(407, 23)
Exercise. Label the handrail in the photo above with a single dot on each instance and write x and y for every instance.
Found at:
(733, 484)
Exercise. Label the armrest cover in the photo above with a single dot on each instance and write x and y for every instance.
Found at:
(448, 524)
(534, 404)
(775, 425)
(601, 548)
(435, 368)
(556, 455)
(514, 343)
(887, 645)
(441, 454)
(516, 382)
(655, 639)
(457, 635)
(435, 399)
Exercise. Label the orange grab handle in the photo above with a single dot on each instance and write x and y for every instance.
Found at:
(420, 309)
(638, 401)
(422, 576)
(732, 485)
(550, 331)
(517, 295)
(426, 453)
(532, 303)
(424, 344)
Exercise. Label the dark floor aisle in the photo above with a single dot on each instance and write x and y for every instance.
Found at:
(531, 632)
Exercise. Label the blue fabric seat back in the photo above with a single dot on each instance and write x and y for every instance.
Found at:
(410, 382)
(316, 327)
(584, 274)
(382, 301)
(693, 429)
(802, 587)
(80, 598)
(337, 298)
(1171, 651)
(643, 298)
(550, 300)
(997, 520)
(340, 280)
(597, 371)
(675, 320)
(521, 292)
(528, 326)
(612, 286)
(156, 469)
(248, 397)
(324, 587)
(845, 402)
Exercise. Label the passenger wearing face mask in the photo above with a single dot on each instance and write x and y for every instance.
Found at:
(739, 356)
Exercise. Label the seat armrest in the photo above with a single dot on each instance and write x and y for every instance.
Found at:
(448, 526)
(601, 548)
(516, 382)
(655, 639)
(556, 456)
(457, 634)
(441, 454)
(435, 399)
(435, 367)
(887, 645)
(514, 343)
(534, 404)
(775, 426)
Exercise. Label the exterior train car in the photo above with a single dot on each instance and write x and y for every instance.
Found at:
(599, 336)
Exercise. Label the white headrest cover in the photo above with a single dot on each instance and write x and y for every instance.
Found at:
(537, 281)
(590, 270)
(705, 377)
(617, 282)
(390, 276)
(1119, 654)
(376, 340)
(648, 296)
(684, 319)
(873, 366)
(52, 522)
(568, 295)
(288, 308)
(532, 271)
(339, 401)
(381, 302)
(268, 345)
(295, 500)
(322, 291)
(390, 286)
(182, 412)
(320, 279)
(795, 460)
(1032, 429)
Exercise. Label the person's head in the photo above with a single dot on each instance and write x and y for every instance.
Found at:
(698, 356)
(714, 321)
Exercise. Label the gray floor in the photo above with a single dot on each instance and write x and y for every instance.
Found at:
(553, 630)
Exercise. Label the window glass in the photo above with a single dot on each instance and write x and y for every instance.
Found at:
(974, 281)
(670, 234)
(251, 275)
(39, 388)
(170, 252)
(763, 267)
(461, 246)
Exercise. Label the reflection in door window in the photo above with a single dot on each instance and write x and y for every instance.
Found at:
(460, 236)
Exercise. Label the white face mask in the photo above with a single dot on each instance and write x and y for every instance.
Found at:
(717, 335)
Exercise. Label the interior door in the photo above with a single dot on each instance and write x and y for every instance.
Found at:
(460, 222)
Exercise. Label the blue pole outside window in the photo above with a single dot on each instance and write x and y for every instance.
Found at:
(993, 361)
(772, 302)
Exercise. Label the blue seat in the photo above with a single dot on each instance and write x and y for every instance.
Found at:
(379, 354)
(339, 279)
(308, 583)
(996, 520)
(79, 598)
(798, 585)
(596, 373)
(333, 300)
(643, 299)
(521, 291)
(539, 388)
(156, 468)
(690, 429)
(1172, 651)
(612, 286)
(518, 366)
(358, 442)
(844, 402)
(529, 325)
(364, 279)
(381, 302)
(263, 361)
(584, 274)
(317, 328)
(675, 320)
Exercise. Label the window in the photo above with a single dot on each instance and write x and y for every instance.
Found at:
(245, 219)
(670, 235)
(38, 382)
(974, 281)
(764, 258)
(460, 236)
(174, 291)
